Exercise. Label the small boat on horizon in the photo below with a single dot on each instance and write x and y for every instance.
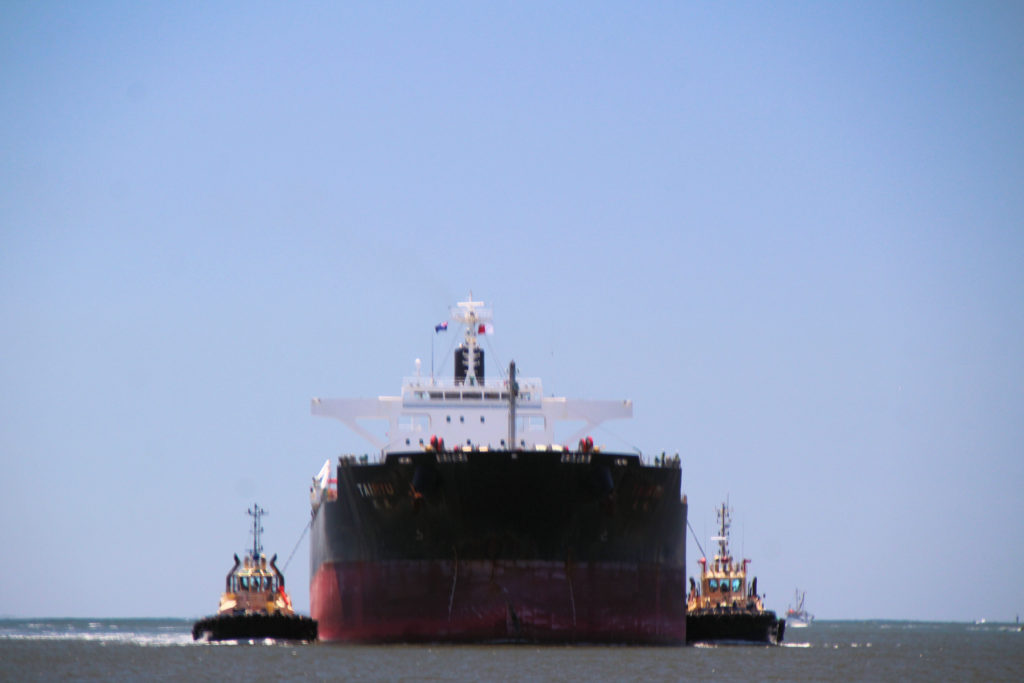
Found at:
(796, 615)
(254, 604)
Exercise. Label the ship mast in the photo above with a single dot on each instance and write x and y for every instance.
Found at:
(256, 512)
(724, 522)
(475, 318)
(513, 393)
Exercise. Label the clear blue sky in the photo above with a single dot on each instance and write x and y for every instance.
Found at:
(792, 233)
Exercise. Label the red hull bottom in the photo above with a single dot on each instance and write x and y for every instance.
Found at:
(500, 601)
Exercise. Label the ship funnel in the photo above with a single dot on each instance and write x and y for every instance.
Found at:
(469, 357)
(469, 363)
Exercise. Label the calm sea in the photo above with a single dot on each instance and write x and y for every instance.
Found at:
(162, 649)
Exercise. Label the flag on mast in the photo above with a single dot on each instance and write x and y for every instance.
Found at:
(441, 327)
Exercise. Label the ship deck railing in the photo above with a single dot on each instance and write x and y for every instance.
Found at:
(431, 389)
(491, 382)
(662, 460)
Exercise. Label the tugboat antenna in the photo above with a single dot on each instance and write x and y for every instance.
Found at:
(256, 512)
(724, 521)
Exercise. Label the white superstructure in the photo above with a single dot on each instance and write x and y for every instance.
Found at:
(470, 411)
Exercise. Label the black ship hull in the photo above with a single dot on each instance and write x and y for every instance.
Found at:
(734, 626)
(497, 546)
(255, 627)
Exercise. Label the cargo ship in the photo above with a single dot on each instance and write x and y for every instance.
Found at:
(472, 525)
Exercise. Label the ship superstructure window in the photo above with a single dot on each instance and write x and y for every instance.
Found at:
(713, 584)
(414, 423)
(735, 585)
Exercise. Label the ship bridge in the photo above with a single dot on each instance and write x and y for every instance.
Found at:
(469, 414)
(470, 410)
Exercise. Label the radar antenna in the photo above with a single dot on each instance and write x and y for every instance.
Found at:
(256, 512)
(724, 522)
(471, 314)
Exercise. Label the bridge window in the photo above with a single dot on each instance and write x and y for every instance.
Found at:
(713, 584)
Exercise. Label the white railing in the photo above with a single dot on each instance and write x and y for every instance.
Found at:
(533, 383)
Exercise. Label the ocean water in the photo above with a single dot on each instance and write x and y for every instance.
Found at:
(162, 649)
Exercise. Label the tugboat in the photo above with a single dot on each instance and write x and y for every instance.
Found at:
(722, 609)
(254, 604)
(797, 616)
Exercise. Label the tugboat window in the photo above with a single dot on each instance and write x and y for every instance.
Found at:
(735, 584)
(725, 585)
(713, 584)
(245, 583)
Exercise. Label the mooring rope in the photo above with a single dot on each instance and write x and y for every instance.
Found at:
(703, 554)
(301, 536)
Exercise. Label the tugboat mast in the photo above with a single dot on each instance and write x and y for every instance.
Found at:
(724, 522)
(256, 512)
